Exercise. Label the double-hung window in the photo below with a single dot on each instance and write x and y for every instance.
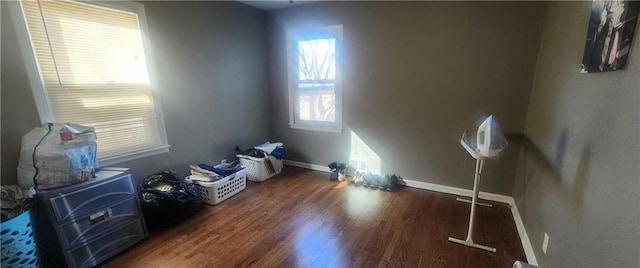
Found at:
(315, 88)
(87, 65)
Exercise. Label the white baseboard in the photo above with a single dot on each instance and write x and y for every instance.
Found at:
(524, 238)
(522, 232)
(306, 165)
(457, 191)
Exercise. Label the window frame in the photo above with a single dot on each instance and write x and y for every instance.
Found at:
(37, 83)
(293, 36)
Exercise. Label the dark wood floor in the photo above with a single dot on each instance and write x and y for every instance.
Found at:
(301, 219)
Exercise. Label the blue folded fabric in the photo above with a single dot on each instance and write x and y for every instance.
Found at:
(278, 153)
(219, 171)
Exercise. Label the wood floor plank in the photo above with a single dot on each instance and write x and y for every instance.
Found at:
(301, 219)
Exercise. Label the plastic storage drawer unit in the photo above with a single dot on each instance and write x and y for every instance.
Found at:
(84, 224)
(91, 226)
(85, 200)
(104, 247)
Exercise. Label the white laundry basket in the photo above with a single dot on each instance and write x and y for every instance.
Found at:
(215, 192)
(258, 168)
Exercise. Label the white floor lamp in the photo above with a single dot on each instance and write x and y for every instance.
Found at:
(486, 142)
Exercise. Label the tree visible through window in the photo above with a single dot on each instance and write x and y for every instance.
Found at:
(317, 75)
(315, 84)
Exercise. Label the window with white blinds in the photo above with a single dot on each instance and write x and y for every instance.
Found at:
(93, 69)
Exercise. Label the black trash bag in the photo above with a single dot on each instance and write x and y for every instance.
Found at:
(168, 200)
(165, 188)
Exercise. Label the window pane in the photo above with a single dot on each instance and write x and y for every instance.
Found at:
(317, 101)
(317, 59)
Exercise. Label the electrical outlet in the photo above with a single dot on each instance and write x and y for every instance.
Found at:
(545, 243)
(223, 161)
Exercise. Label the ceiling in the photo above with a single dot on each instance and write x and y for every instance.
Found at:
(275, 4)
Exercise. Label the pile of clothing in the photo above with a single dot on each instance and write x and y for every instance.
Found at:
(15, 201)
(275, 149)
(207, 173)
(261, 151)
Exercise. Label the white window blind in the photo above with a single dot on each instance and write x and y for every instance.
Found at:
(94, 72)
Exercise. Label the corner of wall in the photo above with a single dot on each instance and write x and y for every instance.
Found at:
(543, 26)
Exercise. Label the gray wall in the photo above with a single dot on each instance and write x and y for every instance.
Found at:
(579, 179)
(212, 74)
(416, 75)
(19, 114)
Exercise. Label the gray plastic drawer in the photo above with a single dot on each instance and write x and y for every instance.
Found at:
(78, 203)
(99, 250)
(98, 223)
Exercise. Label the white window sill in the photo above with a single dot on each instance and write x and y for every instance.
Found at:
(115, 159)
(332, 129)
